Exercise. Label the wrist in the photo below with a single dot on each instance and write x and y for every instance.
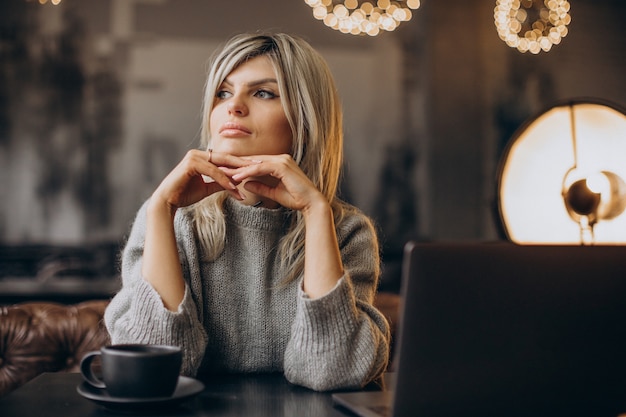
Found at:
(160, 208)
(317, 207)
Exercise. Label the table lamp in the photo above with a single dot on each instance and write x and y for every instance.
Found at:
(561, 176)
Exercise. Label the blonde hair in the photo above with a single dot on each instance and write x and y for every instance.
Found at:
(313, 109)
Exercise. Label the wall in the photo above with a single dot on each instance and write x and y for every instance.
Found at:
(104, 99)
(100, 99)
(480, 91)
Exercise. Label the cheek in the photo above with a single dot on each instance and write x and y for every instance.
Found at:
(285, 135)
(213, 123)
(281, 131)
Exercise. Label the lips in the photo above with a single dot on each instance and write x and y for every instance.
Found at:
(233, 129)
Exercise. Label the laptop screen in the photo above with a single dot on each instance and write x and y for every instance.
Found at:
(508, 330)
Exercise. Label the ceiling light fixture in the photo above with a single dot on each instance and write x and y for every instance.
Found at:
(363, 17)
(532, 25)
(53, 2)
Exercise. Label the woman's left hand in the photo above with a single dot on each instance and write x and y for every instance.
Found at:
(288, 185)
(279, 178)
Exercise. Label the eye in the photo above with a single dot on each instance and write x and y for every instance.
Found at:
(265, 94)
(222, 94)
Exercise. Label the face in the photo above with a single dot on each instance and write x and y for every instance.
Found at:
(247, 116)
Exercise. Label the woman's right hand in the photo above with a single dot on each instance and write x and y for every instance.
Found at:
(184, 185)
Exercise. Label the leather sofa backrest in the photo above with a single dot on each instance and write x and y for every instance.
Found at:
(38, 337)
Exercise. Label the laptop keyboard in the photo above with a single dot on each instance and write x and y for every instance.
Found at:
(381, 410)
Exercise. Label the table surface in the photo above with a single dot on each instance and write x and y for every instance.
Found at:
(54, 395)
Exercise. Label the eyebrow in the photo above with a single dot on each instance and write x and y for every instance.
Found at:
(256, 82)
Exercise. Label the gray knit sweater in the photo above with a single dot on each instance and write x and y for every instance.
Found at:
(236, 317)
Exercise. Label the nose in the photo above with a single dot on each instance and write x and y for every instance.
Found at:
(236, 106)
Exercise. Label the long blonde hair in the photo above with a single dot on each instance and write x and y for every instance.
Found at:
(313, 109)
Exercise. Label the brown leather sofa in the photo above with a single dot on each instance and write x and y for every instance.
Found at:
(37, 337)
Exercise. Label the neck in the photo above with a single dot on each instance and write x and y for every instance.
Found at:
(264, 202)
(255, 200)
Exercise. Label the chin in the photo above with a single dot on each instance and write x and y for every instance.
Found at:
(229, 150)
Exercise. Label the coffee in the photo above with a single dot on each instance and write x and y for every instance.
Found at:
(135, 370)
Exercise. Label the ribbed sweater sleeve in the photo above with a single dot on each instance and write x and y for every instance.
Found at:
(340, 340)
(137, 314)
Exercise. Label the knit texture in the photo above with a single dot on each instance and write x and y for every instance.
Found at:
(238, 316)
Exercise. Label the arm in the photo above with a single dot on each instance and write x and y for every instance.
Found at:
(137, 315)
(322, 261)
(182, 187)
(159, 301)
(340, 340)
(323, 266)
(161, 265)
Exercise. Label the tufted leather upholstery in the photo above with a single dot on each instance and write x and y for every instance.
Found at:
(38, 337)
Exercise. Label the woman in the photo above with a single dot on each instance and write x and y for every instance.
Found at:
(244, 256)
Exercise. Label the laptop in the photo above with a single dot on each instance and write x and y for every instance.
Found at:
(499, 329)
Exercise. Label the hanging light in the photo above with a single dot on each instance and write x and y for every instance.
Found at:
(53, 2)
(532, 25)
(363, 17)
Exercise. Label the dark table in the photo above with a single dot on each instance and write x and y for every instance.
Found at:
(55, 395)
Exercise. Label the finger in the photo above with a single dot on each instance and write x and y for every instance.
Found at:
(256, 170)
(221, 183)
(198, 164)
(264, 190)
(213, 187)
(227, 160)
(274, 165)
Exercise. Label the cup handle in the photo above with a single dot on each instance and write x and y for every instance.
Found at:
(87, 371)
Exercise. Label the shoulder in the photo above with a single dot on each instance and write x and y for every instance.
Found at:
(351, 223)
(358, 242)
(185, 216)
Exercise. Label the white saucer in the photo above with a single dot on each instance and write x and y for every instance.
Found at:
(186, 388)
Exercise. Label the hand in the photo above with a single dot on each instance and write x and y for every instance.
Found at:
(184, 185)
(292, 188)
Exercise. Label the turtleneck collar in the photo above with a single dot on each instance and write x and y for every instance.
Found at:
(256, 217)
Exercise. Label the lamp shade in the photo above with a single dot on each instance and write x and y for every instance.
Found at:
(561, 176)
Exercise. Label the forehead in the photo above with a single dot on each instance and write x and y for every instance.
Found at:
(258, 67)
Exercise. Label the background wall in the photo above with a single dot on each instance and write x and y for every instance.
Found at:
(480, 91)
(100, 98)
